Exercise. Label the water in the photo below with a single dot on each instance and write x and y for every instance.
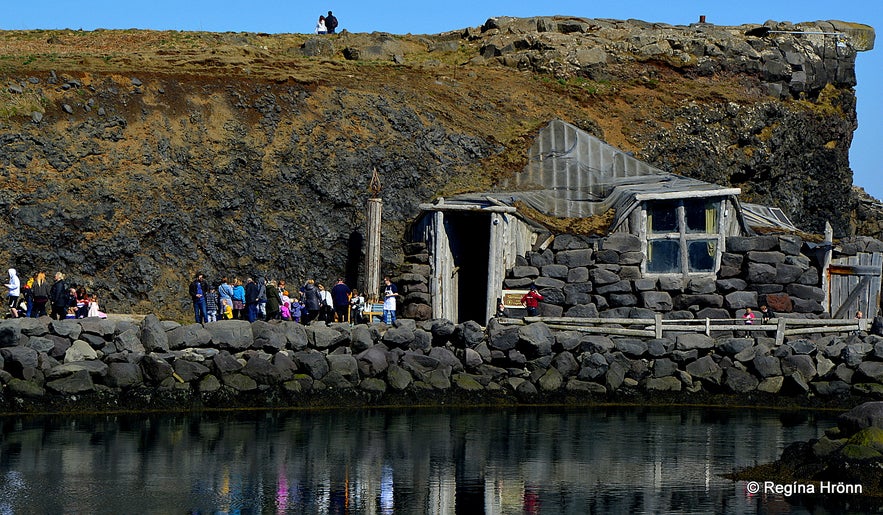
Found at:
(549, 460)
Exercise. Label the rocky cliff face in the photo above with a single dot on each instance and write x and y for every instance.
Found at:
(133, 159)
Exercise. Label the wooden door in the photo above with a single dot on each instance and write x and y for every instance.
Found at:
(854, 285)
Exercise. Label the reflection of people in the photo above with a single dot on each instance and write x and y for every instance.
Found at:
(748, 316)
(766, 314)
(531, 300)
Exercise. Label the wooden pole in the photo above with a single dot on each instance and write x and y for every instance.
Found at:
(372, 250)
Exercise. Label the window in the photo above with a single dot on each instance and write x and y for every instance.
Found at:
(683, 236)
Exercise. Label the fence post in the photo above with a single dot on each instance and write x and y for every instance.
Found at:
(658, 327)
(780, 332)
(707, 327)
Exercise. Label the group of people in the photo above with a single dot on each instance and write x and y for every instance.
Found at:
(36, 297)
(259, 299)
(326, 24)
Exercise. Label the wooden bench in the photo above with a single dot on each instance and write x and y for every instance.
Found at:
(375, 310)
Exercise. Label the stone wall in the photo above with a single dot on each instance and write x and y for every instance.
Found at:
(102, 364)
(582, 277)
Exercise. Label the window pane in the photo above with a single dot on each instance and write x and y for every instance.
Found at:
(701, 216)
(700, 254)
(663, 256)
(662, 217)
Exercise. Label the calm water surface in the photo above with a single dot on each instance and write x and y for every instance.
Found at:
(599, 460)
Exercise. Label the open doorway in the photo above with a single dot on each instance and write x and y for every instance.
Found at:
(468, 236)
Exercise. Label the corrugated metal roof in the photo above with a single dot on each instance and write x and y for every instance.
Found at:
(572, 174)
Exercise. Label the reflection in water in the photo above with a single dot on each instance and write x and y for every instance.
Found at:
(460, 461)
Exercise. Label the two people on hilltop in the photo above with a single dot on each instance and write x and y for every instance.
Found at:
(326, 24)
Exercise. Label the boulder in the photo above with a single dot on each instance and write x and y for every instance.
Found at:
(345, 365)
(225, 363)
(261, 370)
(740, 381)
(271, 338)
(869, 414)
(551, 380)
(663, 384)
(296, 335)
(153, 334)
(566, 364)
(97, 369)
(872, 370)
(189, 370)
(239, 382)
(632, 347)
(324, 337)
(799, 363)
(232, 335)
(536, 338)
(123, 375)
(446, 358)
(401, 337)
(155, 369)
(398, 378)
(741, 300)
(313, 362)
(79, 351)
(692, 341)
(705, 368)
(373, 361)
(657, 300)
(622, 242)
(69, 328)
(75, 383)
(191, 335)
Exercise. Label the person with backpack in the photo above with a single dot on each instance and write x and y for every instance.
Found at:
(330, 23)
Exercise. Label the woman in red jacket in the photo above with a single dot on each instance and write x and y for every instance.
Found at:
(531, 301)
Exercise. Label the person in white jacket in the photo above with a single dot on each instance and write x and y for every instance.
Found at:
(14, 286)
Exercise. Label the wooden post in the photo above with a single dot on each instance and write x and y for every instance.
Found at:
(826, 264)
(780, 332)
(658, 325)
(372, 249)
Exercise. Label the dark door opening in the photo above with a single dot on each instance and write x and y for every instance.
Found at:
(469, 237)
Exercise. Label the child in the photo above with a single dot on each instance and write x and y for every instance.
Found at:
(297, 309)
(285, 310)
(211, 304)
(357, 302)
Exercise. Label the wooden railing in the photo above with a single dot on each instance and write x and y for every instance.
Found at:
(657, 327)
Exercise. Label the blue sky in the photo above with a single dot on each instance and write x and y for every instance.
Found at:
(276, 16)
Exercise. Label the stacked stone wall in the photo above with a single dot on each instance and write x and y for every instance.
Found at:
(124, 364)
(582, 277)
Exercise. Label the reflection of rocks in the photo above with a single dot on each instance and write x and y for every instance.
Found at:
(850, 454)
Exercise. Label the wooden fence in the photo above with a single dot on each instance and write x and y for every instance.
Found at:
(657, 327)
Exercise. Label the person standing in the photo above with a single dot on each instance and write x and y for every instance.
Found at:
(59, 296)
(326, 309)
(198, 291)
(357, 306)
(225, 296)
(273, 301)
(211, 304)
(312, 301)
(251, 299)
(390, 292)
(14, 286)
(340, 296)
(41, 295)
(238, 299)
(262, 298)
(531, 301)
(330, 23)
(321, 28)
